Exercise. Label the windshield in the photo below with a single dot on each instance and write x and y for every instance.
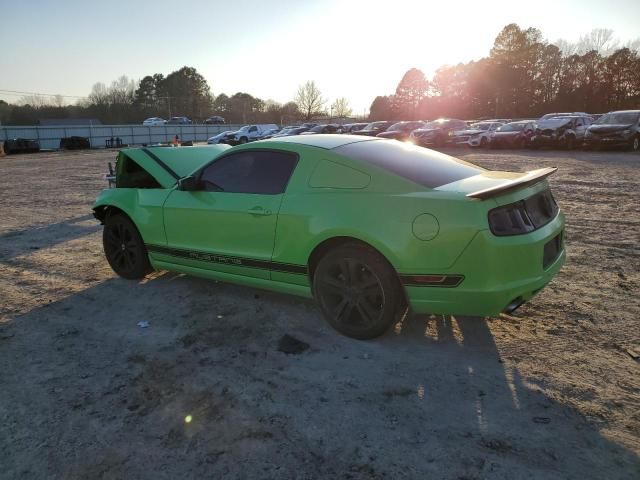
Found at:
(435, 124)
(420, 165)
(245, 128)
(511, 127)
(481, 126)
(618, 118)
(317, 129)
(397, 127)
(553, 122)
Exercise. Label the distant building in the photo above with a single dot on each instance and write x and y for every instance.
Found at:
(68, 122)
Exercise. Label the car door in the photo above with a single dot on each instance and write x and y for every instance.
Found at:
(580, 128)
(228, 224)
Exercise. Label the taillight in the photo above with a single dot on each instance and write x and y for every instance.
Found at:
(523, 216)
(510, 219)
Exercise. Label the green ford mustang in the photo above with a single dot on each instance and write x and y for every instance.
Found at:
(366, 226)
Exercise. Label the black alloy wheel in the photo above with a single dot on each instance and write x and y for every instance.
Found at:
(357, 291)
(124, 247)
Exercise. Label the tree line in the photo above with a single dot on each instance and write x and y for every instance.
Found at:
(184, 92)
(523, 76)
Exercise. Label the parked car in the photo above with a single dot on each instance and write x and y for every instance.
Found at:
(476, 135)
(220, 137)
(560, 132)
(289, 131)
(178, 121)
(374, 128)
(214, 120)
(437, 133)
(309, 124)
(401, 130)
(363, 225)
(268, 134)
(513, 134)
(547, 116)
(328, 128)
(74, 143)
(154, 121)
(615, 129)
(21, 145)
(249, 133)
(353, 127)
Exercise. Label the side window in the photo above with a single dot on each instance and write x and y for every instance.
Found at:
(579, 122)
(260, 172)
(253, 129)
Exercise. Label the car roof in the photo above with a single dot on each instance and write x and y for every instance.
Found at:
(326, 141)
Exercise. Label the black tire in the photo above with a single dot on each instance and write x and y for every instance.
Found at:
(243, 140)
(634, 145)
(358, 292)
(124, 247)
(483, 142)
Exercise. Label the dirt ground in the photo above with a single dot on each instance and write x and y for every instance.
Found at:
(550, 392)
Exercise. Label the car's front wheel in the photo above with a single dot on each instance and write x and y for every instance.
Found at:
(243, 140)
(635, 144)
(124, 247)
(357, 291)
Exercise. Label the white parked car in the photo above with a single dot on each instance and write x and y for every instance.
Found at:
(248, 133)
(477, 135)
(153, 121)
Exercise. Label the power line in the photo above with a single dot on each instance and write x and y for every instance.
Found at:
(40, 94)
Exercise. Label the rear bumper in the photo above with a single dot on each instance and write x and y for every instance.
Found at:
(544, 140)
(498, 271)
(605, 142)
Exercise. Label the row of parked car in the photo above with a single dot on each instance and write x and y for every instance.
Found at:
(556, 130)
(158, 121)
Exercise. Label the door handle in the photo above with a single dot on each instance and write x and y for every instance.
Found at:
(259, 211)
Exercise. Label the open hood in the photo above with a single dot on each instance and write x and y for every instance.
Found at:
(491, 184)
(168, 164)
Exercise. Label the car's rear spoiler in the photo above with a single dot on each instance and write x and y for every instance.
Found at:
(527, 179)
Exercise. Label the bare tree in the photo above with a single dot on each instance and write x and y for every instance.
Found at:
(36, 101)
(309, 100)
(340, 108)
(599, 39)
(567, 48)
(58, 101)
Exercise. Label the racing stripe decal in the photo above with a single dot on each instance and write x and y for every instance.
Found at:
(228, 260)
(161, 163)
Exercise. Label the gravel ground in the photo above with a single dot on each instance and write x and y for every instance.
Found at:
(550, 392)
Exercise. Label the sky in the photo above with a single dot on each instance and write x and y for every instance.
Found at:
(354, 49)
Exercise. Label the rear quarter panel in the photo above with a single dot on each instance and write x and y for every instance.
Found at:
(382, 215)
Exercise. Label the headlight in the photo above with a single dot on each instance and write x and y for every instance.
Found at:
(450, 134)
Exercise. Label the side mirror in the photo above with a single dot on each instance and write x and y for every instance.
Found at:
(188, 184)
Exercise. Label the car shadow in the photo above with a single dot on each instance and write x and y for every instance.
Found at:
(432, 399)
(15, 243)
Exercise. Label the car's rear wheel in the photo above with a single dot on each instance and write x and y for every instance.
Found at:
(635, 144)
(124, 247)
(357, 291)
